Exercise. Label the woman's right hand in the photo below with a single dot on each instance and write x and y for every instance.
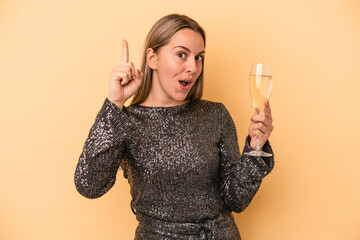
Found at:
(124, 80)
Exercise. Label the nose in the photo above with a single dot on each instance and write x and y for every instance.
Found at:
(192, 67)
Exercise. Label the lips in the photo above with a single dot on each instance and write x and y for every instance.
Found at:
(185, 84)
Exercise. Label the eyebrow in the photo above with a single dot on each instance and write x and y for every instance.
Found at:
(186, 49)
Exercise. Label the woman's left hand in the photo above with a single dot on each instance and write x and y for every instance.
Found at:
(261, 126)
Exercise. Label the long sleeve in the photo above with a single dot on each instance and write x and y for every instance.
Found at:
(99, 161)
(240, 175)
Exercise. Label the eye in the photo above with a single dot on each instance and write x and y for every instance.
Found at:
(181, 55)
(199, 58)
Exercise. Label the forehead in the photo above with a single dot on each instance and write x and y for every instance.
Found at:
(187, 38)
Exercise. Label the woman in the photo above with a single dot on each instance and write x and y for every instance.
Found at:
(179, 153)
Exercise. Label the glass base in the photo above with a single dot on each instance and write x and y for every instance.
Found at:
(258, 153)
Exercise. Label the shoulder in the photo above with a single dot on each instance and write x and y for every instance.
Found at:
(214, 111)
(216, 115)
(209, 105)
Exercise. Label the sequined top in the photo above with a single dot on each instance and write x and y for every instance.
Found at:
(183, 163)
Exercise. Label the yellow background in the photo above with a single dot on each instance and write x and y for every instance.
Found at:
(55, 61)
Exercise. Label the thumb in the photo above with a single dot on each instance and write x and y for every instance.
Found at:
(138, 77)
(138, 73)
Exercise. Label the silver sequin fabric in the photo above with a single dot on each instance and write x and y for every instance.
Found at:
(183, 164)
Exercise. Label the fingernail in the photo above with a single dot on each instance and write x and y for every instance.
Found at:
(138, 71)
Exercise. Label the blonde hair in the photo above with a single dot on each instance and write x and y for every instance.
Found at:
(158, 37)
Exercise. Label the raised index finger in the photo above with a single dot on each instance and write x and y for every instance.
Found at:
(125, 56)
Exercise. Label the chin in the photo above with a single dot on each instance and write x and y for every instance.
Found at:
(180, 98)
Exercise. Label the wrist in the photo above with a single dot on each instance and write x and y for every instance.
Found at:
(119, 104)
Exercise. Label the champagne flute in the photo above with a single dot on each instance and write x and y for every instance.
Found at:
(260, 89)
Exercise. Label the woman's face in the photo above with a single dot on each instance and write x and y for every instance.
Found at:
(177, 66)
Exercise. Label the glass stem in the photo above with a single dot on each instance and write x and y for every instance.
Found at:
(261, 112)
(258, 145)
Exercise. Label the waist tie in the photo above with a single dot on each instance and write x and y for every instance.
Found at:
(197, 231)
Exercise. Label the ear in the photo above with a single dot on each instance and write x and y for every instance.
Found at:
(151, 58)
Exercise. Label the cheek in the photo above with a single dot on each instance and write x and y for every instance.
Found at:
(200, 67)
(171, 67)
(176, 67)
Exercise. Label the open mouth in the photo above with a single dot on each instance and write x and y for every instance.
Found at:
(184, 83)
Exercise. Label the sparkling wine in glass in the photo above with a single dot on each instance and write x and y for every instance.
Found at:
(260, 90)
